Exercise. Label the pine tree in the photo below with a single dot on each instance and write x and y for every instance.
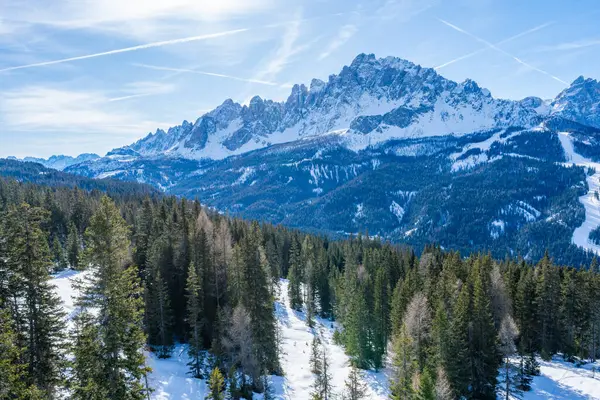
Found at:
(40, 317)
(355, 389)
(114, 289)
(426, 387)
(381, 313)
(12, 369)
(295, 277)
(195, 299)
(458, 362)
(404, 366)
(159, 316)
(216, 385)
(548, 303)
(87, 369)
(73, 246)
(60, 261)
(258, 302)
(315, 356)
(483, 354)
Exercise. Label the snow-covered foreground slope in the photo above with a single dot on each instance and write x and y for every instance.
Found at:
(297, 338)
(559, 380)
(589, 201)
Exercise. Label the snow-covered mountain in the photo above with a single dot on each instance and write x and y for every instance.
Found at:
(371, 101)
(60, 162)
(393, 148)
(580, 102)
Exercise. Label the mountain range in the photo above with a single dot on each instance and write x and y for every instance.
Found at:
(392, 148)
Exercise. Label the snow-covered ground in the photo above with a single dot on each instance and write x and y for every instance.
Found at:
(589, 201)
(297, 339)
(559, 380)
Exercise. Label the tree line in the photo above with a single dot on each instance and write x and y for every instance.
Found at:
(163, 271)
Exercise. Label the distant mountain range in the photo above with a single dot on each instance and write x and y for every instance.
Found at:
(59, 162)
(392, 147)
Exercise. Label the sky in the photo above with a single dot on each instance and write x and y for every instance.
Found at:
(81, 76)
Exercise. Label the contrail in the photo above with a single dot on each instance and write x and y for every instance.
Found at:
(492, 46)
(193, 71)
(128, 49)
(471, 54)
(131, 96)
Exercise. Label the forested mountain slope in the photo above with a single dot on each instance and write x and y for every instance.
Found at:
(393, 148)
(162, 272)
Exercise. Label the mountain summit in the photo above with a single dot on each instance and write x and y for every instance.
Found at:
(370, 101)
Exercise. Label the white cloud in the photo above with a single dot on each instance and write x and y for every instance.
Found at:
(345, 33)
(140, 19)
(86, 112)
(284, 52)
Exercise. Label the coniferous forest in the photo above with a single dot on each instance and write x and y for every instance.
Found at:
(162, 271)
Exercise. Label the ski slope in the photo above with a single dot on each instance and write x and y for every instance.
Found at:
(169, 378)
(592, 206)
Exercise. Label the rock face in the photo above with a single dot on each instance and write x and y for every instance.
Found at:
(580, 102)
(370, 101)
(389, 147)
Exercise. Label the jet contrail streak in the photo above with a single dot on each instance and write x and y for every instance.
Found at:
(194, 71)
(494, 47)
(510, 39)
(128, 49)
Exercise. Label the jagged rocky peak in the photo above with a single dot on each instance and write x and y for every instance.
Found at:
(382, 98)
(580, 102)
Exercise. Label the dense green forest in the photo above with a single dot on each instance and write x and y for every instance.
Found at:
(164, 270)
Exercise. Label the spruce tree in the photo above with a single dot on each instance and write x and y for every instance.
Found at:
(73, 246)
(195, 299)
(114, 290)
(159, 316)
(404, 366)
(39, 314)
(426, 387)
(13, 378)
(295, 277)
(483, 344)
(258, 302)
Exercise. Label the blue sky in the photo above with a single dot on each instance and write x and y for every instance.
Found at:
(90, 75)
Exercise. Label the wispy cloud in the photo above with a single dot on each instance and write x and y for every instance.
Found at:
(137, 19)
(481, 50)
(128, 49)
(48, 109)
(284, 52)
(567, 46)
(136, 90)
(494, 47)
(344, 34)
(198, 72)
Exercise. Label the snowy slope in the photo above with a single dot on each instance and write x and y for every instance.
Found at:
(589, 201)
(297, 338)
(559, 380)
